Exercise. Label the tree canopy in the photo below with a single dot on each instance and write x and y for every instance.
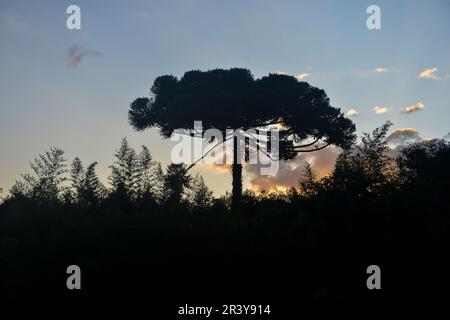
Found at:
(232, 99)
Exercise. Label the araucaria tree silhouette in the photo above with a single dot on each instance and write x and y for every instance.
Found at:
(234, 99)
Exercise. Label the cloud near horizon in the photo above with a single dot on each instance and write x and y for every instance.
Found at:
(218, 168)
(322, 163)
(302, 76)
(290, 171)
(299, 77)
(402, 136)
(283, 73)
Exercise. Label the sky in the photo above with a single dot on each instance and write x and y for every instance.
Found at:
(72, 88)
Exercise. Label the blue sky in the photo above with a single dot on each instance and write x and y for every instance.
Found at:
(83, 108)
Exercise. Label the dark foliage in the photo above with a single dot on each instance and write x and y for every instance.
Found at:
(314, 242)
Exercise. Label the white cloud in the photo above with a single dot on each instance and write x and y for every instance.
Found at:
(352, 112)
(380, 70)
(380, 109)
(281, 73)
(401, 136)
(414, 107)
(299, 77)
(302, 76)
(429, 74)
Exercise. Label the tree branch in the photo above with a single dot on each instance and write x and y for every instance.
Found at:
(206, 153)
(308, 144)
(312, 150)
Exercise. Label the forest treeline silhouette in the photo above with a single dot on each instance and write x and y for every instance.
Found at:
(135, 181)
(161, 233)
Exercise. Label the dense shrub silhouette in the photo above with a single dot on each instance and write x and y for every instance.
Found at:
(141, 239)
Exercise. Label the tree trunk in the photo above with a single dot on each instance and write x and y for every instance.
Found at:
(237, 178)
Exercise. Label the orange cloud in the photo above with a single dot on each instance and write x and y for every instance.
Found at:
(322, 163)
(352, 112)
(380, 109)
(219, 168)
(380, 70)
(414, 107)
